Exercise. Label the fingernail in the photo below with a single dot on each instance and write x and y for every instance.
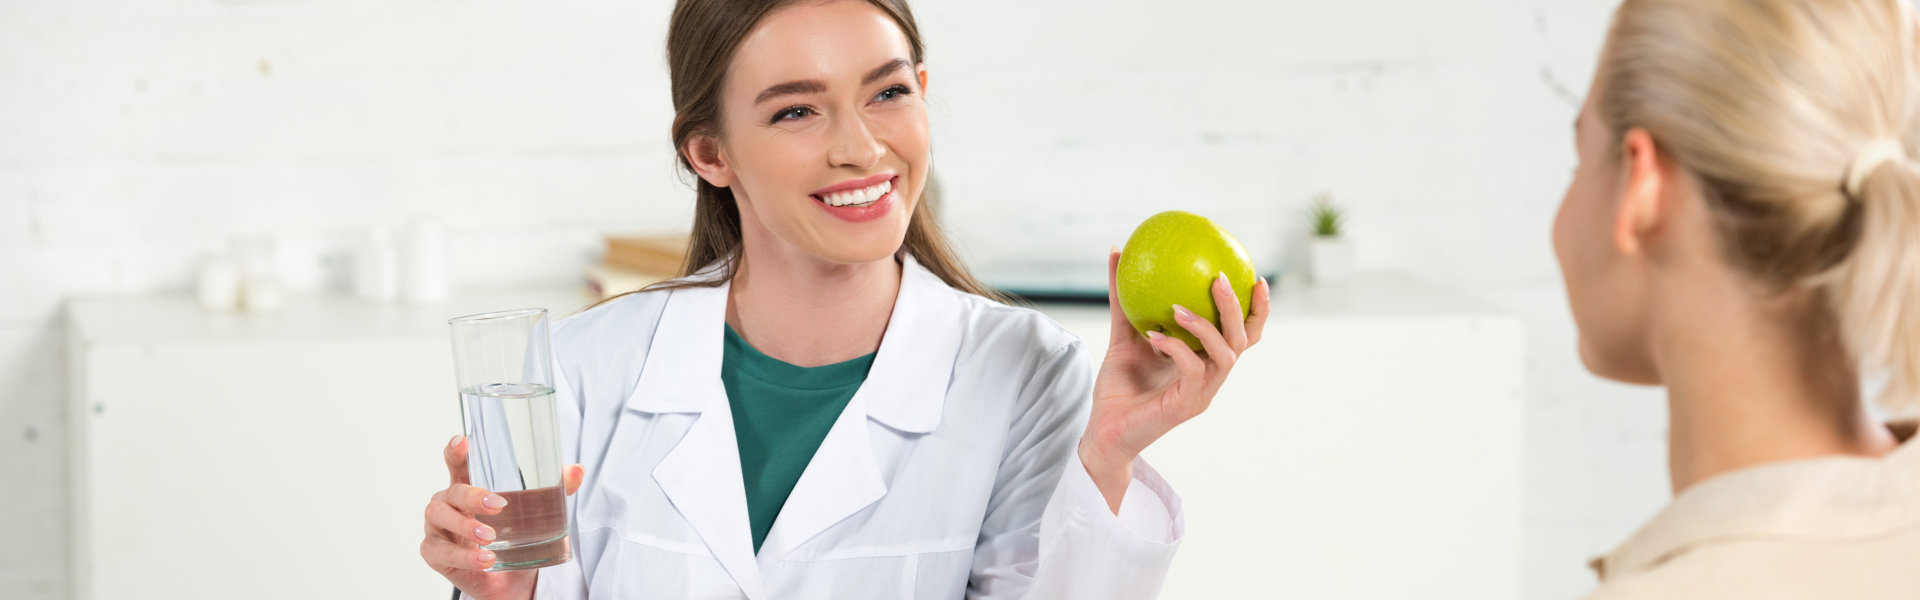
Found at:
(455, 442)
(485, 557)
(493, 501)
(483, 533)
(1155, 336)
(1223, 278)
(1181, 313)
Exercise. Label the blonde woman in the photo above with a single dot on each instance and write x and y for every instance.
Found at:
(1744, 229)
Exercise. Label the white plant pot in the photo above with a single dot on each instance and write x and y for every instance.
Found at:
(1330, 259)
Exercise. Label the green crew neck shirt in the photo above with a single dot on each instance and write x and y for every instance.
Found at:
(781, 413)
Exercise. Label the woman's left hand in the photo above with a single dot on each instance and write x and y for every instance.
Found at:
(1140, 395)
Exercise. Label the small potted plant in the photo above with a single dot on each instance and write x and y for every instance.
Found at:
(1329, 256)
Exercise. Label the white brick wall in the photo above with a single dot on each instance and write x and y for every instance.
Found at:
(135, 136)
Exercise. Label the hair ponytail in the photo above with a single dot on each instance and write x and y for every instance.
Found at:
(1875, 292)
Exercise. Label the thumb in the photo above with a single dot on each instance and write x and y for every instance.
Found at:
(1120, 329)
(571, 477)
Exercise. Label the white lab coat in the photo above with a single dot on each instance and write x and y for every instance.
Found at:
(952, 473)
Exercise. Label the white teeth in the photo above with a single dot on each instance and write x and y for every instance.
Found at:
(862, 196)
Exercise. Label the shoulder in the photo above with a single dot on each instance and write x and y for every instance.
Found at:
(992, 326)
(1794, 570)
(620, 326)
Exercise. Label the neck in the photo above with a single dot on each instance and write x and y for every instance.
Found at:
(808, 312)
(1750, 384)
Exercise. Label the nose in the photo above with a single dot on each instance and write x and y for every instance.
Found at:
(854, 145)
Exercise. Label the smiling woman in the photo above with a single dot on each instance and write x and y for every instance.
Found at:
(706, 36)
(825, 404)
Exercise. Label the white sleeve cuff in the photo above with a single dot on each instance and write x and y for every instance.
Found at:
(1086, 551)
(1150, 508)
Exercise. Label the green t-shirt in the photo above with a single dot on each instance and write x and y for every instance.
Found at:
(781, 412)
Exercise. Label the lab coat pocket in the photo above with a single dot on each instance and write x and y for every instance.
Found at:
(926, 575)
(643, 571)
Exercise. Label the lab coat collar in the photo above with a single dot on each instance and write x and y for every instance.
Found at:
(1822, 498)
(905, 390)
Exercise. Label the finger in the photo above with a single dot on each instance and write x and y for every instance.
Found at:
(1186, 365)
(475, 500)
(571, 477)
(1231, 326)
(442, 554)
(439, 498)
(1262, 306)
(1197, 392)
(456, 455)
(457, 525)
(1119, 328)
(1210, 339)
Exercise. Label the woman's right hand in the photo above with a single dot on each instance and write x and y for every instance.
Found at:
(454, 535)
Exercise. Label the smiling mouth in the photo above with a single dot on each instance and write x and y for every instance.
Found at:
(862, 197)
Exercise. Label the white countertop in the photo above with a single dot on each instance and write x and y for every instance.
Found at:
(177, 317)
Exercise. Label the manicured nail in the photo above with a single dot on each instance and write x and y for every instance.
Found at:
(1223, 279)
(483, 533)
(1181, 313)
(455, 442)
(1155, 336)
(493, 501)
(485, 557)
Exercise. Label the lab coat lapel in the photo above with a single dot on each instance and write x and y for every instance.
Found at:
(701, 474)
(904, 390)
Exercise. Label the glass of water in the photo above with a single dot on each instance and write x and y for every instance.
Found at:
(504, 368)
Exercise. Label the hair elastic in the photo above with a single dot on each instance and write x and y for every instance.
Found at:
(1871, 159)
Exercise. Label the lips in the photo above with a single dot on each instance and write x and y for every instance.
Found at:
(857, 196)
(860, 200)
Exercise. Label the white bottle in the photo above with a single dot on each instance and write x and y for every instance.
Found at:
(263, 295)
(423, 274)
(218, 283)
(376, 267)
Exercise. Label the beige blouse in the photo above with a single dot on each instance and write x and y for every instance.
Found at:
(1839, 528)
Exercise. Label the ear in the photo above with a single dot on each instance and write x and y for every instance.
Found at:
(921, 71)
(1640, 209)
(709, 160)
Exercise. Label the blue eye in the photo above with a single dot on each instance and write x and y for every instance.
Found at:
(893, 93)
(795, 112)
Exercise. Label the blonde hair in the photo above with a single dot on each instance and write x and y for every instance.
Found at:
(1769, 104)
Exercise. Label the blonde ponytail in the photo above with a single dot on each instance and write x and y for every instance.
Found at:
(1795, 117)
(1875, 293)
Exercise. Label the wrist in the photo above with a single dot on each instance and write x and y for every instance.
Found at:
(1109, 472)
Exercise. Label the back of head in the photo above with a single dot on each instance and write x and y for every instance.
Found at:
(1795, 117)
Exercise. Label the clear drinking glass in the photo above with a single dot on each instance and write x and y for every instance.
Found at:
(504, 368)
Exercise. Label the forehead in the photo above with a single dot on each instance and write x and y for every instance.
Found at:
(828, 41)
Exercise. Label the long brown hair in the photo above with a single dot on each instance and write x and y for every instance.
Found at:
(701, 41)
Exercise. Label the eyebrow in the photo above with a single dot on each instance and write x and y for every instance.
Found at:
(815, 86)
(892, 66)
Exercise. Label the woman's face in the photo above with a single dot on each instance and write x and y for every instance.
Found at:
(823, 134)
(1605, 284)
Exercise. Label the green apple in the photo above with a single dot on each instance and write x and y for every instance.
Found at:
(1173, 258)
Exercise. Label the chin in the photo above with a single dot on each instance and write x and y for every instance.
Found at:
(862, 252)
(1615, 368)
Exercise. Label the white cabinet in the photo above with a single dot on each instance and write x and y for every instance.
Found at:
(1368, 448)
(284, 456)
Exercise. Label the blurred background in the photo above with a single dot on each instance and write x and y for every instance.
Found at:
(147, 146)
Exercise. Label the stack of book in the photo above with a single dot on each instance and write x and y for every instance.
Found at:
(635, 262)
